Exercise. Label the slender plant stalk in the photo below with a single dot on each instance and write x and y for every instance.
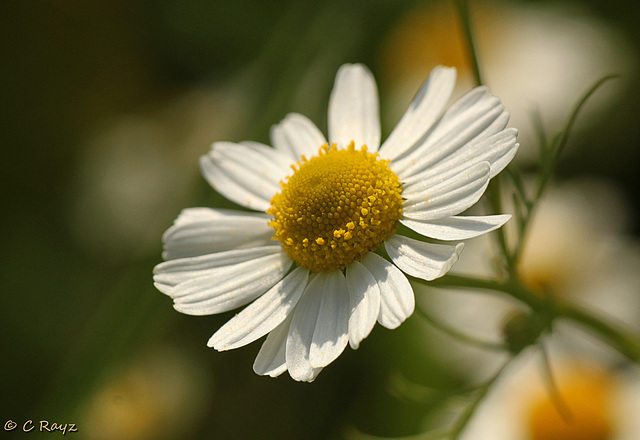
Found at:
(549, 159)
(465, 18)
(618, 337)
(627, 345)
(554, 391)
(494, 191)
(463, 421)
(561, 142)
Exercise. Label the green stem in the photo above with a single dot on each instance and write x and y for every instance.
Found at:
(495, 202)
(618, 337)
(494, 191)
(465, 18)
(574, 116)
(464, 419)
(561, 142)
(552, 386)
(621, 339)
(549, 159)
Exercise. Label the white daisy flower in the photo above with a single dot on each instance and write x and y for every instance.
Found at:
(306, 262)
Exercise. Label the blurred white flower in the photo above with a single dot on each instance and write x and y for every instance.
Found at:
(579, 247)
(596, 402)
(136, 170)
(533, 55)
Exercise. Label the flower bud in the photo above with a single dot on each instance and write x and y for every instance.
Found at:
(521, 330)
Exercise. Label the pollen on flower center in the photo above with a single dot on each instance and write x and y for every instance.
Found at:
(336, 207)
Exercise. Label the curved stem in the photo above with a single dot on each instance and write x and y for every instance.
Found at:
(552, 386)
(463, 421)
(562, 141)
(619, 338)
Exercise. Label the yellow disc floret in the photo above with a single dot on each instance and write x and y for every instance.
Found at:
(336, 207)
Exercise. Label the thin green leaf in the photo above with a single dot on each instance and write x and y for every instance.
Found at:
(562, 142)
(516, 177)
(543, 142)
(521, 216)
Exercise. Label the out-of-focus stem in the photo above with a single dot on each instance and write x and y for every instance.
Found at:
(465, 18)
(494, 191)
(618, 337)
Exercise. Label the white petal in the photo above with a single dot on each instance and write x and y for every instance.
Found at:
(271, 357)
(199, 231)
(474, 117)
(353, 108)
(325, 299)
(497, 149)
(173, 272)
(425, 109)
(229, 287)
(301, 333)
(296, 136)
(449, 197)
(422, 260)
(194, 215)
(397, 301)
(456, 228)
(330, 335)
(248, 174)
(364, 299)
(262, 315)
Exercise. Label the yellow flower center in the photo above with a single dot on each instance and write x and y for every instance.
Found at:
(587, 395)
(336, 207)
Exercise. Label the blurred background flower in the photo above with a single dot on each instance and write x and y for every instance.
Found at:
(135, 171)
(595, 401)
(537, 57)
(160, 394)
(107, 105)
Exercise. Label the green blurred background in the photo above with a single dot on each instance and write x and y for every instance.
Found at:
(106, 106)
